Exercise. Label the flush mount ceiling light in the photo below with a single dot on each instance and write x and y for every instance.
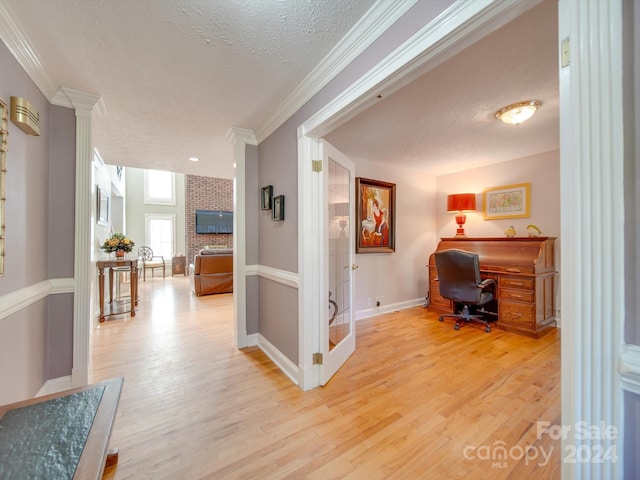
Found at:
(516, 113)
(194, 159)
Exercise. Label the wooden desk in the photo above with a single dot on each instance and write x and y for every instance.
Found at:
(110, 264)
(524, 271)
(29, 450)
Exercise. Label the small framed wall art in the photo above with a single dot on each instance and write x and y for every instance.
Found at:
(510, 201)
(277, 213)
(265, 197)
(102, 207)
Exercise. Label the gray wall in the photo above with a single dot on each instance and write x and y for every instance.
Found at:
(252, 194)
(36, 341)
(278, 167)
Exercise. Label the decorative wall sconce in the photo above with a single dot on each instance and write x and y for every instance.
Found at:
(459, 203)
(25, 116)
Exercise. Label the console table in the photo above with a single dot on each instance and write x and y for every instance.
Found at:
(64, 435)
(133, 284)
(524, 271)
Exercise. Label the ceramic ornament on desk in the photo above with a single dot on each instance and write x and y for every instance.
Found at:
(533, 231)
(510, 232)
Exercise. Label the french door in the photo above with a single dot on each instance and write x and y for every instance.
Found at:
(337, 332)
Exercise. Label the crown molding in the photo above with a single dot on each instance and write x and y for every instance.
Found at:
(368, 29)
(462, 24)
(16, 40)
(241, 135)
(81, 101)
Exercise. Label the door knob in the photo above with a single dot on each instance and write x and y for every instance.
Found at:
(354, 267)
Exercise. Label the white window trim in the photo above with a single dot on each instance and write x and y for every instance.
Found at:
(159, 201)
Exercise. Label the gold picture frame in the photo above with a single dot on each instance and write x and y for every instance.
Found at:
(4, 142)
(509, 201)
(375, 216)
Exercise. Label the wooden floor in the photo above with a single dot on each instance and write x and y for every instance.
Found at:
(418, 400)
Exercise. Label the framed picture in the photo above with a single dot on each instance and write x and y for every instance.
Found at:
(265, 197)
(510, 201)
(278, 208)
(375, 216)
(102, 211)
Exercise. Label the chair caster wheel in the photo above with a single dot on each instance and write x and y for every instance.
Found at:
(456, 327)
(441, 319)
(487, 329)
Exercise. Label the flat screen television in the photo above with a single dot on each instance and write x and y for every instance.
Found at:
(214, 221)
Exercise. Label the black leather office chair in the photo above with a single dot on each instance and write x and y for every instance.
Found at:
(459, 280)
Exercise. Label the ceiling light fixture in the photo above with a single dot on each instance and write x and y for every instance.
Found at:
(194, 159)
(516, 113)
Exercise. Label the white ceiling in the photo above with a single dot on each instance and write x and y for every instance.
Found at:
(175, 75)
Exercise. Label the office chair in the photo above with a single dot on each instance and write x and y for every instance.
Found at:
(459, 281)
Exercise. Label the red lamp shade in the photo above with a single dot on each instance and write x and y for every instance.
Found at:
(461, 202)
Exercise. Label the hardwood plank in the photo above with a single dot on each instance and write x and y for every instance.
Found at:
(414, 395)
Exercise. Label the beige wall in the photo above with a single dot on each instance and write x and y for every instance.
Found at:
(541, 171)
(415, 240)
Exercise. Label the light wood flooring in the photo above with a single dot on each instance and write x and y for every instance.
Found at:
(418, 400)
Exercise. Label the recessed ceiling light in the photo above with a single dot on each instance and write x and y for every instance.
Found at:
(516, 113)
(194, 159)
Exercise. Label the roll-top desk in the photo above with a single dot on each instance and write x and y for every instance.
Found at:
(524, 271)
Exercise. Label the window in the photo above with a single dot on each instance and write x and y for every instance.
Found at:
(160, 234)
(159, 187)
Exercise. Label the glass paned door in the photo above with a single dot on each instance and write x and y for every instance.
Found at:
(338, 324)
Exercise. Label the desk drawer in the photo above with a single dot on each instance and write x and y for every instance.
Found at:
(517, 314)
(511, 281)
(436, 298)
(517, 295)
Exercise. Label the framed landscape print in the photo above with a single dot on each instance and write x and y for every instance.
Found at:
(510, 201)
(375, 216)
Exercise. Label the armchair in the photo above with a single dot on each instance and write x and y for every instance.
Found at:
(150, 261)
(459, 280)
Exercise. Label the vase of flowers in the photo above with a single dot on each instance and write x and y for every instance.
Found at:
(119, 244)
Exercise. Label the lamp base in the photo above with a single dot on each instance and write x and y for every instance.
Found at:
(460, 233)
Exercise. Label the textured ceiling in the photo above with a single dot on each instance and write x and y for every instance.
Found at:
(175, 75)
(445, 120)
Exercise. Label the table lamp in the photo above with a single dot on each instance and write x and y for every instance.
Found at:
(459, 203)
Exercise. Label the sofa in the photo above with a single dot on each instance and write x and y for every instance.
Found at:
(212, 271)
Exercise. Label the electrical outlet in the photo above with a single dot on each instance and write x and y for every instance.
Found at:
(377, 301)
(369, 302)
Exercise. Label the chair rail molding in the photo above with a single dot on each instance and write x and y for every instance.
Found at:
(281, 276)
(17, 300)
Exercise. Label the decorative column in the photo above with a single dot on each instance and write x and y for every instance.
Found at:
(84, 104)
(592, 265)
(240, 137)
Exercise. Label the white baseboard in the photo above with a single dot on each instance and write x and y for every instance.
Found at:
(393, 307)
(289, 368)
(55, 385)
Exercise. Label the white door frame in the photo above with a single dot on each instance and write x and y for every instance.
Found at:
(594, 30)
(461, 25)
